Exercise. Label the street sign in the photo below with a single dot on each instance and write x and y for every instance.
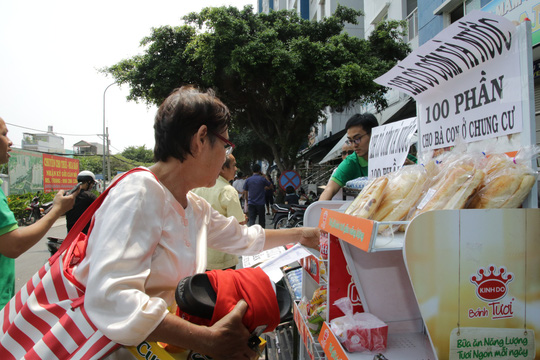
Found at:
(289, 178)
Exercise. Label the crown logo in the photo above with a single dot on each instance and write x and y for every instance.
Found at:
(491, 284)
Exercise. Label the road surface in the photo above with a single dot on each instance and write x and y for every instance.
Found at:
(31, 261)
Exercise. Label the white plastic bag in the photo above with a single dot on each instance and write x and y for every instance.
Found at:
(360, 331)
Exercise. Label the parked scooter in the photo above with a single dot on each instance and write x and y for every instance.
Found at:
(288, 216)
(53, 244)
(35, 210)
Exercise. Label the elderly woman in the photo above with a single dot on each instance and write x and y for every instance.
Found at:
(151, 232)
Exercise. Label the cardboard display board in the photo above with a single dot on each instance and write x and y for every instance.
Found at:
(466, 82)
(476, 276)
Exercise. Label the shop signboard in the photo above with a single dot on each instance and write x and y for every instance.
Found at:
(518, 11)
(466, 80)
(59, 173)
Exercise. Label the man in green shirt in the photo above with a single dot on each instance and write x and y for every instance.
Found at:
(358, 129)
(14, 240)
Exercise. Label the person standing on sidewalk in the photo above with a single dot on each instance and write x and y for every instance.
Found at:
(14, 240)
(85, 198)
(223, 198)
(254, 192)
(238, 184)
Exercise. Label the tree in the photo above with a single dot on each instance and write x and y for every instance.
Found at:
(91, 163)
(138, 153)
(276, 72)
(119, 163)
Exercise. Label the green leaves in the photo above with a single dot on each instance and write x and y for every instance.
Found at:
(275, 71)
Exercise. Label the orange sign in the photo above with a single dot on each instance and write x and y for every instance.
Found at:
(354, 230)
(59, 173)
(330, 344)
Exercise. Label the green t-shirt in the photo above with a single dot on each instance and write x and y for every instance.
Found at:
(7, 265)
(351, 168)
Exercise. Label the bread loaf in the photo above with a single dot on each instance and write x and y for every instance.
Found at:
(506, 185)
(494, 194)
(403, 190)
(521, 193)
(365, 204)
(460, 198)
(447, 191)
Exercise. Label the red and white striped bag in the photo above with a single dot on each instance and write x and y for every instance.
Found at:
(46, 319)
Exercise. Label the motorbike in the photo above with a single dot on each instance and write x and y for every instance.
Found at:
(35, 210)
(288, 216)
(53, 244)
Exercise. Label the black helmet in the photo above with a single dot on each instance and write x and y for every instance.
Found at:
(86, 176)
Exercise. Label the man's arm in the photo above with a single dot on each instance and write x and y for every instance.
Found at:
(331, 189)
(16, 242)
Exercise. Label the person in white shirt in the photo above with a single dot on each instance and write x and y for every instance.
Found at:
(151, 231)
(346, 150)
(238, 184)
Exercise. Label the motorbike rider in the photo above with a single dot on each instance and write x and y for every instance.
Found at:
(86, 197)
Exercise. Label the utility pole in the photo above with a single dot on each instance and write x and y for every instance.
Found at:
(108, 157)
(106, 142)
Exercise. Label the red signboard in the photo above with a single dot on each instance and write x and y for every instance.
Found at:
(59, 173)
(340, 280)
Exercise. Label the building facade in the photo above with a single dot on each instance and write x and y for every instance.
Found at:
(43, 142)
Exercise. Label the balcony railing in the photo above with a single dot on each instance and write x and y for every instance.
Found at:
(412, 23)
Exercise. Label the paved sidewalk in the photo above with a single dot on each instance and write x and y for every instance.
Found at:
(60, 222)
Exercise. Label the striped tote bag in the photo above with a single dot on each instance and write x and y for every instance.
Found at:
(46, 319)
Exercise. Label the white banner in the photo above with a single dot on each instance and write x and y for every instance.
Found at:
(389, 146)
(466, 80)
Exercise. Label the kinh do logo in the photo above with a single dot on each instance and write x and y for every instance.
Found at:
(491, 284)
(492, 287)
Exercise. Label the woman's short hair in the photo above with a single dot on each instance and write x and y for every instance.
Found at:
(181, 115)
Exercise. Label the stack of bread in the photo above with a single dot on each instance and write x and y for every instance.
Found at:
(458, 181)
(404, 188)
(506, 185)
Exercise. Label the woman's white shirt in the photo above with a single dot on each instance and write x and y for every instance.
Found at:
(142, 244)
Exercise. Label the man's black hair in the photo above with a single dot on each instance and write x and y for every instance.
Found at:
(366, 120)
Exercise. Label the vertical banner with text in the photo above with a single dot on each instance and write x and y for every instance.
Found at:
(59, 173)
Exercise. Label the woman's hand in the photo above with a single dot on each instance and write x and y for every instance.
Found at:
(306, 236)
(229, 339)
(310, 237)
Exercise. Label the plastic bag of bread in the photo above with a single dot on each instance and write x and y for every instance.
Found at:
(508, 181)
(458, 179)
(402, 192)
(369, 199)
